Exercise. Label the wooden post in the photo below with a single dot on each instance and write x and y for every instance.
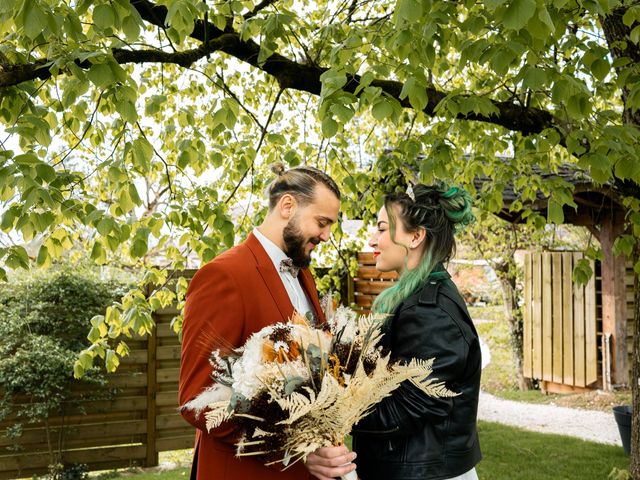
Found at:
(614, 301)
(152, 452)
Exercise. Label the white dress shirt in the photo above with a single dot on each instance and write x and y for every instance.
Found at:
(294, 289)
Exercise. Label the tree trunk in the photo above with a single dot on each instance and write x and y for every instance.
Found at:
(618, 38)
(634, 461)
(513, 314)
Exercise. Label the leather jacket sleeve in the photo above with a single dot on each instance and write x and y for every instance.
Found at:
(420, 331)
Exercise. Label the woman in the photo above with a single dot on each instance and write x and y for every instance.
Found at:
(411, 435)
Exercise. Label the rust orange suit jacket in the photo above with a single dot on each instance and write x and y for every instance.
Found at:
(235, 295)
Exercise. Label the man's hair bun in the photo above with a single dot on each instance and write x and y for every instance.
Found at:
(277, 168)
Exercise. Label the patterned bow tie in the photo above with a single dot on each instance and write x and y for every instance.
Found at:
(287, 265)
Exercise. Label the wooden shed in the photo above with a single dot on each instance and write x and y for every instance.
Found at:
(600, 210)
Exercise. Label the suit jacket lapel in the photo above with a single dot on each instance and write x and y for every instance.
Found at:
(309, 286)
(271, 277)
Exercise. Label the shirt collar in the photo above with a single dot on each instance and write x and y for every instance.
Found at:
(275, 253)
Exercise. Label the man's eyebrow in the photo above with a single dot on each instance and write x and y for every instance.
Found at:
(326, 219)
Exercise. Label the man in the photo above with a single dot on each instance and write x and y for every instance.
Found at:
(255, 284)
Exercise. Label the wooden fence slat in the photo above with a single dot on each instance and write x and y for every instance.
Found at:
(579, 331)
(130, 454)
(527, 365)
(165, 375)
(85, 432)
(168, 352)
(371, 273)
(536, 349)
(567, 317)
(164, 330)
(547, 320)
(374, 287)
(152, 453)
(558, 340)
(173, 420)
(364, 301)
(366, 258)
(175, 443)
(591, 338)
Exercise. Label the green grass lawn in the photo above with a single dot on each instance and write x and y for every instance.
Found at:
(514, 454)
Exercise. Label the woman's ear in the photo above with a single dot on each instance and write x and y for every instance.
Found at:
(418, 237)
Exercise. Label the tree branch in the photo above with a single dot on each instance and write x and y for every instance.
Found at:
(261, 6)
(288, 73)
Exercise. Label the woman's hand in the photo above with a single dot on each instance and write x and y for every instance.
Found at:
(327, 463)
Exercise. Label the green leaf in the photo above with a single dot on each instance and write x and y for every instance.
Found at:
(43, 259)
(105, 226)
(535, 78)
(131, 27)
(518, 13)
(634, 36)
(555, 213)
(154, 104)
(329, 127)
(408, 11)
(34, 19)
(104, 16)
(582, 271)
(631, 15)
(98, 253)
(101, 75)
(124, 200)
(142, 153)
(382, 109)
(138, 248)
(111, 360)
(600, 68)
(46, 172)
(416, 92)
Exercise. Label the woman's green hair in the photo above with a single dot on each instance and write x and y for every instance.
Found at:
(441, 211)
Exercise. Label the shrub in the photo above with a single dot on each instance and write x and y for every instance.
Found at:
(43, 326)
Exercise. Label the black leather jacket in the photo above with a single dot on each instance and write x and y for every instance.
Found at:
(410, 435)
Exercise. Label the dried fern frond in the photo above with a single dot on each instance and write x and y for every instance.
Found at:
(218, 413)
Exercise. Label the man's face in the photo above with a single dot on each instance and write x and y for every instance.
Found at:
(310, 225)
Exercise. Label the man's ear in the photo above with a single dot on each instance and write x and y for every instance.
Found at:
(287, 206)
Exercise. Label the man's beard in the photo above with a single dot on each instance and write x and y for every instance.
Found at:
(294, 243)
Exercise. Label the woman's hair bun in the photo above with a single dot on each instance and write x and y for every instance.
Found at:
(278, 168)
(454, 202)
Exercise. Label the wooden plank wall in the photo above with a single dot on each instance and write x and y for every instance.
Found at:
(369, 282)
(560, 329)
(128, 429)
(630, 320)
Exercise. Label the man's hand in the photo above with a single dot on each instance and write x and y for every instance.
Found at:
(327, 463)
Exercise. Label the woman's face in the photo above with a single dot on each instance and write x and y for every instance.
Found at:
(390, 255)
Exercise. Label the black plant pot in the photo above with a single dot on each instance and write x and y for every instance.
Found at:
(622, 414)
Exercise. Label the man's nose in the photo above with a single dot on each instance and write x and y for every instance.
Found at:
(325, 234)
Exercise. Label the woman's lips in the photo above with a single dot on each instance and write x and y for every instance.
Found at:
(375, 254)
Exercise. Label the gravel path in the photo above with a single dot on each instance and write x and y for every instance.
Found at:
(589, 425)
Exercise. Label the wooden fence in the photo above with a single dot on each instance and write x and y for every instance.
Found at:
(560, 334)
(368, 283)
(138, 420)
